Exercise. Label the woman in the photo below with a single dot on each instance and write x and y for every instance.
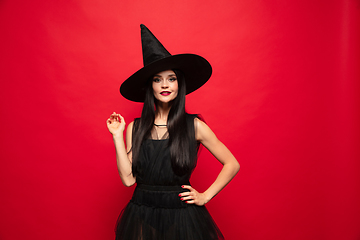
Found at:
(161, 150)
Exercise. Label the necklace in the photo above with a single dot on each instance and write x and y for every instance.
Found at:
(160, 125)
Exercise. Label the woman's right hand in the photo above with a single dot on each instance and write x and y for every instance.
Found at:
(116, 124)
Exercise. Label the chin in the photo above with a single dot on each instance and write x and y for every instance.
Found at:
(165, 100)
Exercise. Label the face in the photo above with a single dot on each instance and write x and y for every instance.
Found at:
(165, 86)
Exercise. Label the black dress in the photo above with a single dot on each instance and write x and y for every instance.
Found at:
(155, 211)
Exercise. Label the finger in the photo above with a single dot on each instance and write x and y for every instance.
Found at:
(184, 194)
(121, 118)
(187, 198)
(187, 187)
(190, 202)
(115, 118)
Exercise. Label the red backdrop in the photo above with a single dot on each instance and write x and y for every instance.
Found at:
(284, 97)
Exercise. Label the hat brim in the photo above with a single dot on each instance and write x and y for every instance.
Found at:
(197, 71)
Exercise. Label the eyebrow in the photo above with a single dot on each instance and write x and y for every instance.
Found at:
(170, 75)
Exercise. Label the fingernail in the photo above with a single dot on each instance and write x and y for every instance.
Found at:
(179, 195)
(181, 198)
(182, 186)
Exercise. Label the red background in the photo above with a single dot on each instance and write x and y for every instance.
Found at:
(284, 97)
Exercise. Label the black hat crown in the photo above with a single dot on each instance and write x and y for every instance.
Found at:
(152, 48)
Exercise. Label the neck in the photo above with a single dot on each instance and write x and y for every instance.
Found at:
(162, 112)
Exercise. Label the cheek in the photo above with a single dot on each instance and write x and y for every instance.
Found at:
(176, 87)
(155, 87)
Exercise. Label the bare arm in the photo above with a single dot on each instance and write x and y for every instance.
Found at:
(230, 166)
(116, 126)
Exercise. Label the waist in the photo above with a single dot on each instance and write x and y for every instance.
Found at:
(158, 196)
(159, 188)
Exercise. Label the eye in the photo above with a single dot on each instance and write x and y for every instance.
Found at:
(173, 79)
(156, 80)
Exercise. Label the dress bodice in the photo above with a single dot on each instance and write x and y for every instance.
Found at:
(155, 165)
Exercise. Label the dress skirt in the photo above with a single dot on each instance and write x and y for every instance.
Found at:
(157, 213)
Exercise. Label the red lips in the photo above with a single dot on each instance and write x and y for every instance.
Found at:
(165, 93)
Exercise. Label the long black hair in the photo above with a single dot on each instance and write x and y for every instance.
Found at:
(182, 143)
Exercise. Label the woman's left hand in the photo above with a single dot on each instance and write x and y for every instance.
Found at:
(193, 197)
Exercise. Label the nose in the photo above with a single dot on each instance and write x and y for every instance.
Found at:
(164, 84)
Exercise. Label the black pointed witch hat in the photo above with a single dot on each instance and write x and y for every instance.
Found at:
(197, 70)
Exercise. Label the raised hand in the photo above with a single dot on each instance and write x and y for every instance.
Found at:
(115, 124)
(193, 196)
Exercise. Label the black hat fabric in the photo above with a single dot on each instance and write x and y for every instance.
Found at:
(197, 70)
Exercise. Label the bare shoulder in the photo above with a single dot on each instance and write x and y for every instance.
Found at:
(203, 131)
(129, 132)
(130, 128)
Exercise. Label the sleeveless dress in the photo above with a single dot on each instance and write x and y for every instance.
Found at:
(155, 211)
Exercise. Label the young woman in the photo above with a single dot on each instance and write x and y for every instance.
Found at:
(161, 150)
